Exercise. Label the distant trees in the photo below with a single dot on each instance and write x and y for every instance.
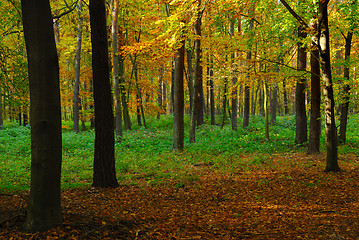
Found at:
(44, 209)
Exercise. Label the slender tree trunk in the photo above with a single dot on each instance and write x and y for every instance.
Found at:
(315, 121)
(246, 110)
(234, 83)
(160, 92)
(44, 211)
(300, 110)
(285, 97)
(77, 70)
(104, 157)
(324, 52)
(266, 110)
(121, 68)
(190, 77)
(211, 97)
(224, 107)
(139, 94)
(116, 81)
(178, 113)
(346, 90)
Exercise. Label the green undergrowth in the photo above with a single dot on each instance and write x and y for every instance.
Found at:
(144, 155)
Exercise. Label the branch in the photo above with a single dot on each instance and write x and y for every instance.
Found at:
(295, 15)
(66, 12)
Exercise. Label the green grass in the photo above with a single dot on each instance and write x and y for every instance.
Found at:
(145, 154)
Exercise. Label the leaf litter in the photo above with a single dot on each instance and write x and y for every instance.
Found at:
(292, 198)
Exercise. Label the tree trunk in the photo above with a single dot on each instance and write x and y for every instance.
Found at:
(198, 79)
(266, 115)
(178, 94)
(116, 81)
(44, 211)
(315, 121)
(285, 97)
(77, 70)
(247, 87)
(346, 89)
(234, 83)
(324, 52)
(121, 71)
(104, 157)
(300, 110)
(224, 103)
(211, 98)
(190, 77)
(160, 92)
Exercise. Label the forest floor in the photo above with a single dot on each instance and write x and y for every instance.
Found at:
(292, 198)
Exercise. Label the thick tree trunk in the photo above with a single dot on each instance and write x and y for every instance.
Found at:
(76, 106)
(346, 90)
(178, 113)
(300, 110)
(324, 52)
(116, 81)
(104, 157)
(44, 211)
(315, 121)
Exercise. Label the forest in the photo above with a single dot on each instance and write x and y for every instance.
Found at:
(182, 119)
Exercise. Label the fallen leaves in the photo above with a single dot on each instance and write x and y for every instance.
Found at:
(291, 199)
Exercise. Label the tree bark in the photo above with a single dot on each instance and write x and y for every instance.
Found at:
(76, 106)
(346, 91)
(44, 211)
(246, 110)
(104, 157)
(116, 81)
(324, 53)
(234, 90)
(300, 110)
(198, 78)
(211, 98)
(178, 95)
(315, 121)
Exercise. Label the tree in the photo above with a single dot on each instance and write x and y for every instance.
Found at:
(178, 105)
(345, 105)
(118, 110)
(77, 69)
(44, 209)
(324, 53)
(315, 116)
(104, 157)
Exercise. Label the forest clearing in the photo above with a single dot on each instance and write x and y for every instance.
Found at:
(226, 186)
